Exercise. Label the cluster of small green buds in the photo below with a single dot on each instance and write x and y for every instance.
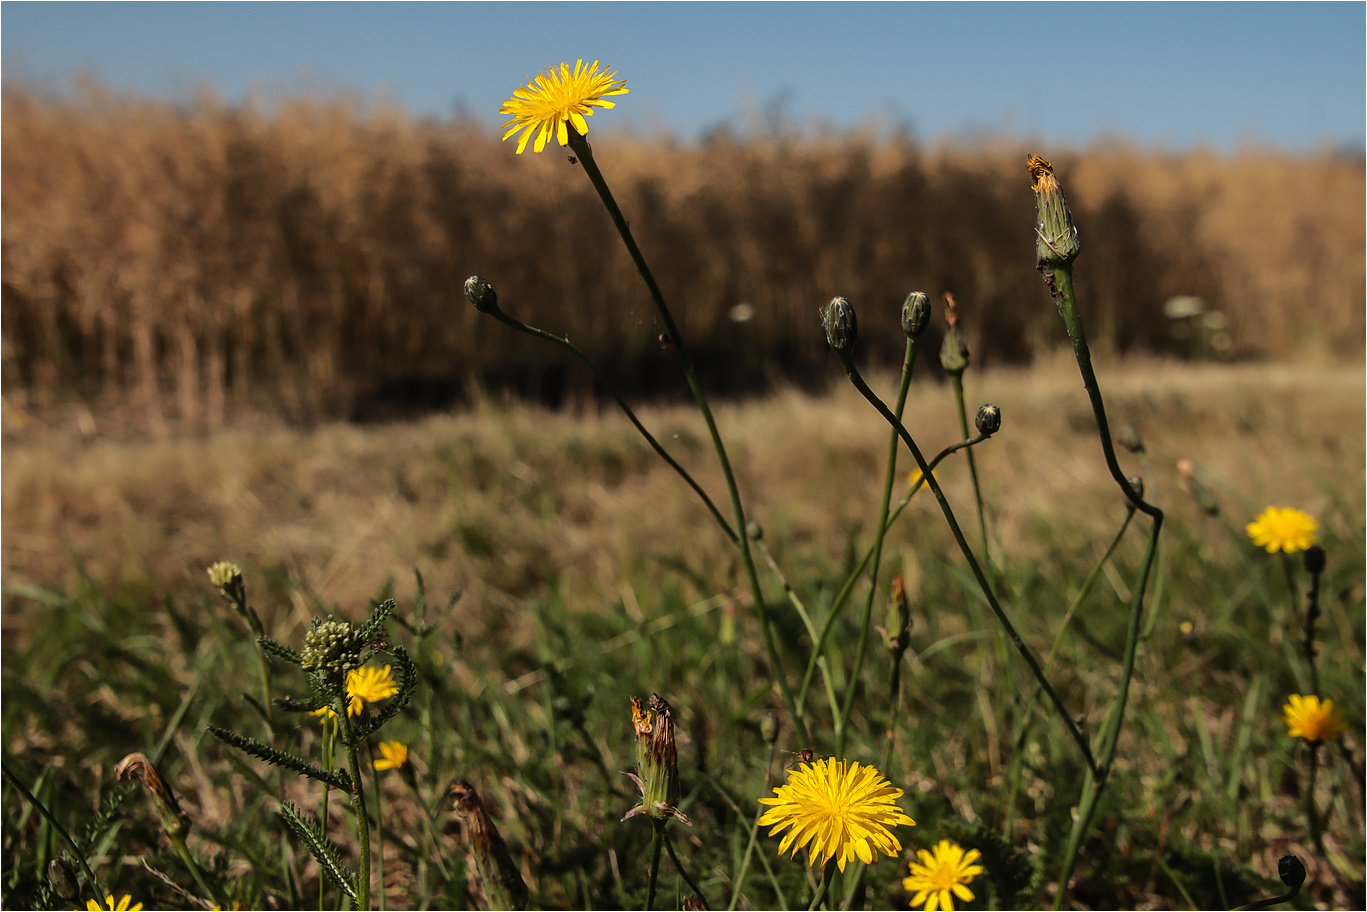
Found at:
(657, 760)
(1056, 240)
(1129, 438)
(227, 578)
(988, 420)
(482, 295)
(331, 646)
(842, 329)
(915, 314)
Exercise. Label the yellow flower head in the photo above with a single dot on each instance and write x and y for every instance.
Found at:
(1308, 718)
(122, 905)
(942, 875)
(557, 99)
(1278, 529)
(368, 685)
(843, 810)
(916, 479)
(395, 755)
(324, 712)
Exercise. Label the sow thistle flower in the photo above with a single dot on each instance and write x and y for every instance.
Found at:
(393, 755)
(121, 906)
(368, 685)
(1308, 718)
(942, 875)
(843, 811)
(1278, 529)
(558, 99)
(657, 760)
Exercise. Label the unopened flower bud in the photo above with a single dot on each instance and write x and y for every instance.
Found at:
(173, 820)
(62, 878)
(1314, 559)
(842, 329)
(1129, 438)
(754, 530)
(954, 352)
(481, 294)
(1136, 485)
(1291, 871)
(768, 728)
(1056, 241)
(915, 314)
(989, 420)
(499, 875)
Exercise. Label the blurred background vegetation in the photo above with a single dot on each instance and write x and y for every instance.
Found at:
(180, 265)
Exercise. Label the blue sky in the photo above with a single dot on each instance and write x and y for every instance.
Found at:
(1167, 75)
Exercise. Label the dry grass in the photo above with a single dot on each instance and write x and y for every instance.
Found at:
(170, 266)
(507, 502)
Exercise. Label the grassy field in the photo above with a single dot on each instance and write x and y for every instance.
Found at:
(566, 568)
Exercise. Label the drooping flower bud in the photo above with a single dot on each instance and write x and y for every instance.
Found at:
(174, 821)
(1056, 240)
(915, 314)
(988, 420)
(502, 881)
(1291, 870)
(481, 294)
(842, 329)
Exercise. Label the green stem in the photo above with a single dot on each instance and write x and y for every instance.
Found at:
(678, 866)
(379, 823)
(852, 685)
(754, 833)
(656, 838)
(845, 589)
(57, 827)
(358, 805)
(626, 409)
(973, 565)
(178, 842)
(580, 145)
(819, 895)
(1316, 833)
(957, 381)
(329, 757)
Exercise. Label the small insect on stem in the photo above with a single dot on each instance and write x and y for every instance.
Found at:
(573, 160)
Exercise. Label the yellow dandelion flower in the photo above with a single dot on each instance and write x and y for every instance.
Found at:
(121, 906)
(395, 756)
(843, 811)
(1308, 718)
(558, 99)
(325, 713)
(1278, 529)
(368, 685)
(916, 478)
(942, 875)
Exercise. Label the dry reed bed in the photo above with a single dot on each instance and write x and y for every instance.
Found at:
(306, 259)
(504, 503)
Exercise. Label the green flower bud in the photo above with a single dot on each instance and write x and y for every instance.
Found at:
(1291, 871)
(481, 294)
(1136, 485)
(1129, 438)
(915, 314)
(842, 329)
(989, 419)
(768, 728)
(954, 352)
(1314, 559)
(754, 530)
(1056, 241)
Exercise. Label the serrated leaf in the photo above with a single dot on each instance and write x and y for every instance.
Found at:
(262, 751)
(323, 850)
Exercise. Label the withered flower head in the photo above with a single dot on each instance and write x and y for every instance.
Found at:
(502, 881)
(174, 821)
(657, 760)
(1056, 241)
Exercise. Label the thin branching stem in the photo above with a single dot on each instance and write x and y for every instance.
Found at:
(580, 145)
(956, 379)
(57, 827)
(358, 803)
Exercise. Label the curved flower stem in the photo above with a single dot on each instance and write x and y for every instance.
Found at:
(852, 682)
(1312, 613)
(579, 144)
(817, 659)
(358, 804)
(57, 827)
(845, 589)
(956, 379)
(678, 866)
(1312, 815)
(1024, 650)
(1096, 777)
(754, 832)
(1059, 277)
(819, 895)
(656, 837)
(626, 409)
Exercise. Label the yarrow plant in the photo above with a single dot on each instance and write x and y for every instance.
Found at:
(1283, 529)
(942, 874)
